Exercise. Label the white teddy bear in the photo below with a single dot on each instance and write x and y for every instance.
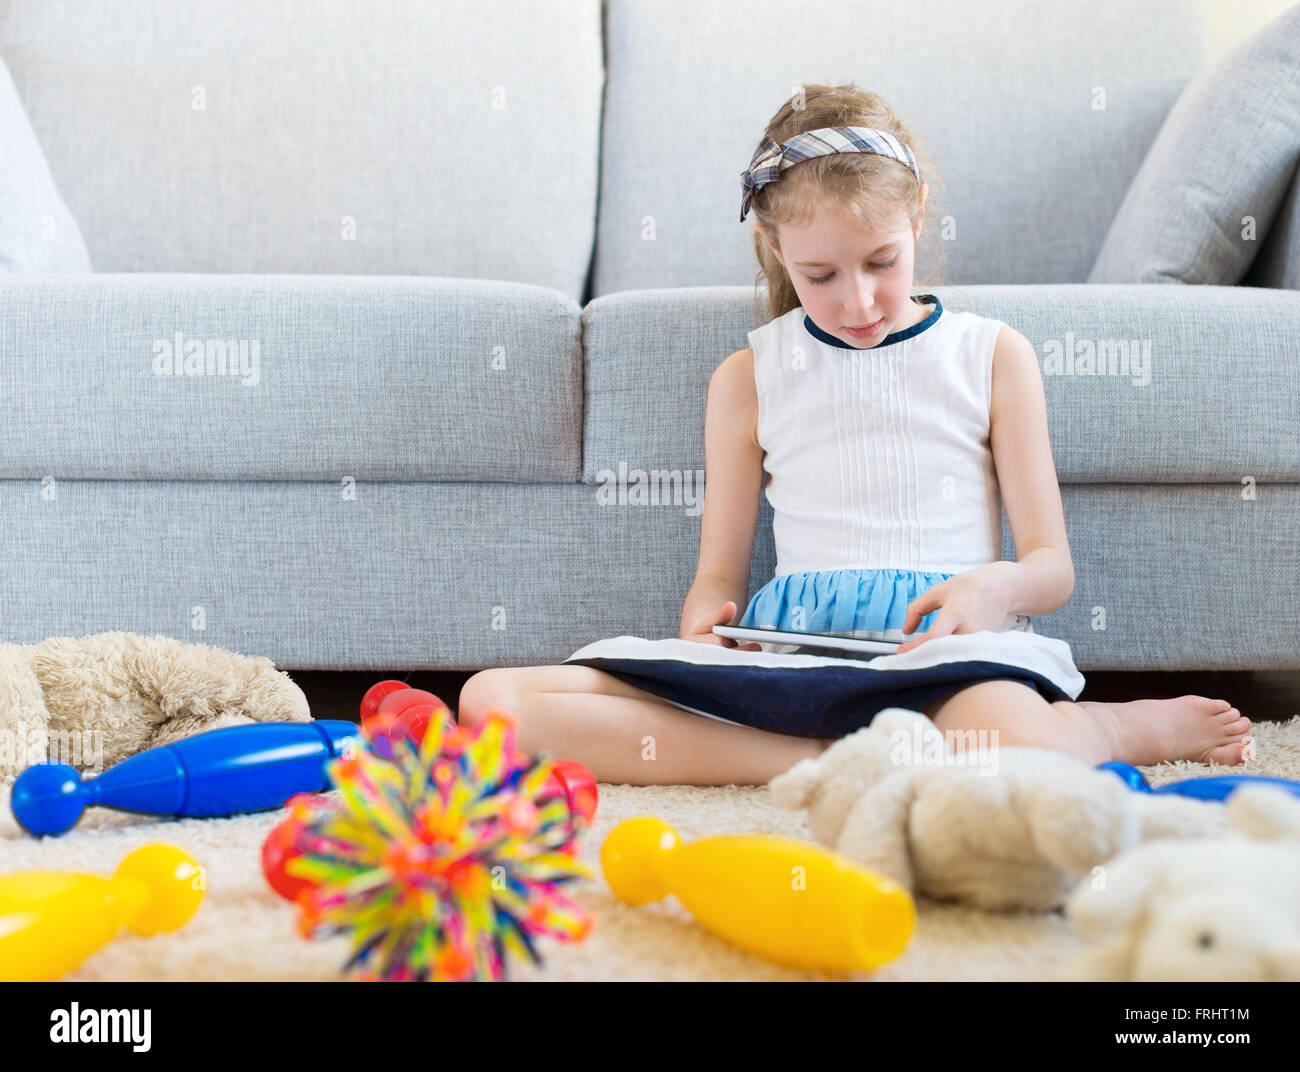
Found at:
(1013, 831)
(1214, 910)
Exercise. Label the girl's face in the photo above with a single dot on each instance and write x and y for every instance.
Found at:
(850, 277)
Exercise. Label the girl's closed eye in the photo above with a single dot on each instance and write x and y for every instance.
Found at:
(826, 278)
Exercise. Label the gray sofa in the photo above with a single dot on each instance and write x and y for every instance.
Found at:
(482, 261)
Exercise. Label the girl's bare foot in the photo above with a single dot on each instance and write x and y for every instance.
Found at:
(1195, 728)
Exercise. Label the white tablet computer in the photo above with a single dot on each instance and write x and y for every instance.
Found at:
(834, 641)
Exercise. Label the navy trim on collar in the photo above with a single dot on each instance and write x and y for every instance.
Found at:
(892, 337)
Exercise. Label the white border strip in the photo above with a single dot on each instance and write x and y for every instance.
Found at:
(1046, 656)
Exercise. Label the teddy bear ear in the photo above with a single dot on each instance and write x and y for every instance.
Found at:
(1265, 811)
(902, 718)
(794, 788)
(918, 733)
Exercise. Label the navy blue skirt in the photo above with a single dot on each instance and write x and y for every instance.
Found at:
(819, 696)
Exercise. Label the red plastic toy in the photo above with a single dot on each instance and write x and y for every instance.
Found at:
(392, 710)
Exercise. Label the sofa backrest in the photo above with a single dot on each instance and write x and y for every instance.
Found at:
(467, 140)
(320, 136)
(1037, 117)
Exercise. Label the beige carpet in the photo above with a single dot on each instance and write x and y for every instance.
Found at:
(244, 931)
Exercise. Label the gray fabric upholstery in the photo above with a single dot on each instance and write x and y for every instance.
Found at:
(1278, 261)
(1002, 93)
(498, 435)
(456, 139)
(1211, 187)
(458, 575)
(37, 232)
(1210, 396)
(371, 378)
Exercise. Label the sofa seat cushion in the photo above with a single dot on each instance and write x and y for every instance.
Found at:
(1144, 384)
(234, 377)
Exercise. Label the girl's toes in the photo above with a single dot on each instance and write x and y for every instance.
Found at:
(1237, 726)
(1229, 755)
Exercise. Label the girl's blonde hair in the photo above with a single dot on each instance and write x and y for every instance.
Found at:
(876, 189)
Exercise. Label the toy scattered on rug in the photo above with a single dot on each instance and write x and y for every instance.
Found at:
(441, 862)
(93, 701)
(50, 921)
(221, 772)
(1221, 909)
(280, 845)
(790, 902)
(1011, 829)
(392, 711)
(1219, 787)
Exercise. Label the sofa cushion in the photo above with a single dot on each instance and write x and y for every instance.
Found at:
(1278, 261)
(1186, 384)
(340, 136)
(1211, 187)
(232, 377)
(37, 232)
(1036, 123)
(450, 576)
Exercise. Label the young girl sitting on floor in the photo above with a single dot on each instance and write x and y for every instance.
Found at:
(893, 431)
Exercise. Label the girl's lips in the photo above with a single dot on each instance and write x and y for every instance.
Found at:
(870, 329)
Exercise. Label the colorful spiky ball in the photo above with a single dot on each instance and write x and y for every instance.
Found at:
(444, 860)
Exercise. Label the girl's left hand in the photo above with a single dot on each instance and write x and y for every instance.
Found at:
(975, 599)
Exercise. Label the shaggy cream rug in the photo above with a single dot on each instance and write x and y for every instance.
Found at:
(243, 931)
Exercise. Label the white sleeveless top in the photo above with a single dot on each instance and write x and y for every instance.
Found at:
(878, 468)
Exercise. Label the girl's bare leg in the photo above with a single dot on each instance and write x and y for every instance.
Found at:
(1141, 732)
(626, 735)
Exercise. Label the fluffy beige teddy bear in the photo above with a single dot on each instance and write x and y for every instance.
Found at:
(93, 701)
(1211, 910)
(1012, 831)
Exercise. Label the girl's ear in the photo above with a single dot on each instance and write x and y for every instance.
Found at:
(762, 233)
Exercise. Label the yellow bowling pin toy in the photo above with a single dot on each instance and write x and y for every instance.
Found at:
(790, 902)
(50, 921)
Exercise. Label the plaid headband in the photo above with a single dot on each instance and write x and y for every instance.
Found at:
(771, 159)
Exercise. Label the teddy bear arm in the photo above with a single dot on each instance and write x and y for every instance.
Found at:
(876, 830)
(203, 684)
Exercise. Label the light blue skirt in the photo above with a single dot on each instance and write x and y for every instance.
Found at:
(841, 601)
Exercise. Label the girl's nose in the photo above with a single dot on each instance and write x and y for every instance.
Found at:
(861, 299)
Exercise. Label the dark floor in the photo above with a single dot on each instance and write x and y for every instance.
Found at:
(1261, 696)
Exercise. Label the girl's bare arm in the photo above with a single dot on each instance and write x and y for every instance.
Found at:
(733, 484)
(1042, 577)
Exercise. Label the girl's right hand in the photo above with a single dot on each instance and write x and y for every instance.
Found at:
(701, 631)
